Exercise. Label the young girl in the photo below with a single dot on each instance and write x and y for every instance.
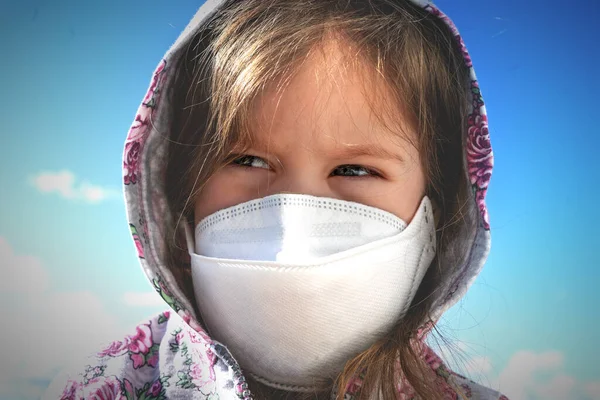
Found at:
(305, 184)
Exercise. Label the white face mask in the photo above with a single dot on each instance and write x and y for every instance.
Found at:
(296, 285)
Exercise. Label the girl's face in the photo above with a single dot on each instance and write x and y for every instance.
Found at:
(319, 137)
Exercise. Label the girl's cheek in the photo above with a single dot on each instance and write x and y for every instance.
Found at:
(361, 188)
(227, 188)
(400, 197)
(247, 180)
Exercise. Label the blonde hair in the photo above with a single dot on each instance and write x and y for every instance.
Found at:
(250, 44)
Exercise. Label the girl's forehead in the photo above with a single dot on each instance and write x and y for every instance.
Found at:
(329, 98)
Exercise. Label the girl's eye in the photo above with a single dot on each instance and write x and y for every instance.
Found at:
(250, 162)
(354, 171)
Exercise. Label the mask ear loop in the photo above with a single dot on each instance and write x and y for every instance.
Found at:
(189, 238)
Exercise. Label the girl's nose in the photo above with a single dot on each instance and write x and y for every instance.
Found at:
(301, 182)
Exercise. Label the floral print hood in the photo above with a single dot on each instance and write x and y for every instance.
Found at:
(170, 355)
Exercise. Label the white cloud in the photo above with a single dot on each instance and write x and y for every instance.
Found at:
(561, 386)
(592, 390)
(532, 376)
(65, 184)
(20, 274)
(43, 330)
(518, 379)
(527, 375)
(143, 299)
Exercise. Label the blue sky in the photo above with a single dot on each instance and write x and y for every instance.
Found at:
(73, 75)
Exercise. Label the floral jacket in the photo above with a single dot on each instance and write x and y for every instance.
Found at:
(171, 356)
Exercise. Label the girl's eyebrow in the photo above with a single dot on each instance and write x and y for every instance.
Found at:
(343, 151)
(371, 150)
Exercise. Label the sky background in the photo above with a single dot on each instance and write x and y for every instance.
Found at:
(73, 74)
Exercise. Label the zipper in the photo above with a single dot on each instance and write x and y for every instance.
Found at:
(239, 380)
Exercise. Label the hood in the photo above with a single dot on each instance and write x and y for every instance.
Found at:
(144, 167)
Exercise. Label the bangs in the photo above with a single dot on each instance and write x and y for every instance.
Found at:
(241, 79)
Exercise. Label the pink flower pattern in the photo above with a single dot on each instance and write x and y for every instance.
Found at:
(201, 372)
(142, 340)
(405, 391)
(198, 371)
(115, 349)
(72, 391)
(467, 389)
(104, 388)
(112, 388)
(432, 359)
(139, 129)
(480, 158)
(449, 393)
(200, 375)
(140, 347)
(139, 246)
(128, 388)
(200, 335)
(155, 391)
(130, 163)
(354, 386)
